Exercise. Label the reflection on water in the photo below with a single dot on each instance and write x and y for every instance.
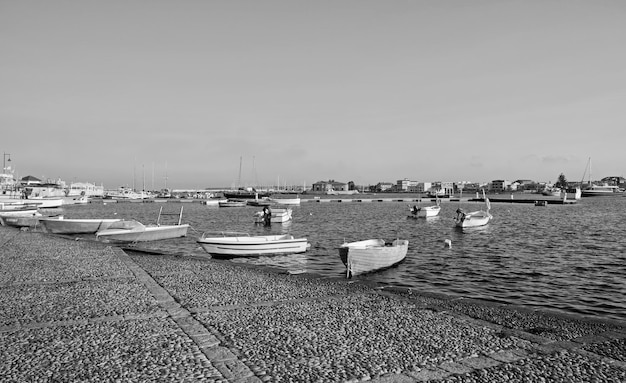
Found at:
(562, 257)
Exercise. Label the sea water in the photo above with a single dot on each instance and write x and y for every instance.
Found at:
(566, 258)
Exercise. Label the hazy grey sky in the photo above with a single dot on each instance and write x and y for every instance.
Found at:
(352, 90)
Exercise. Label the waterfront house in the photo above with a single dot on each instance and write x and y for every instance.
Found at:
(329, 186)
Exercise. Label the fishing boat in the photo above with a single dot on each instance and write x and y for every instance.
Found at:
(594, 190)
(372, 254)
(213, 201)
(259, 202)
(278, 216)
(27, 220)
(135, 231)
(39, 202)
(31, 220)
(233, 244)
(62, 225)
(18, 208)
(250, 193)
(552, 192)
(286, 201)
(474, 218)
(232, 203)
(601, 190)
(426, 211)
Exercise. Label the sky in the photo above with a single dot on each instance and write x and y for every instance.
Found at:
(197, 94)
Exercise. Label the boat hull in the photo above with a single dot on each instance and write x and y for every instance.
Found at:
(286, 201)
(599, 192)
(144, 233)
(371, 255)
(429, 211)
(473, 219)
(213, 202)
(31, 220)
(278, 216)
(253, 245)
(232, 203)
(246, 195)
(75, 226)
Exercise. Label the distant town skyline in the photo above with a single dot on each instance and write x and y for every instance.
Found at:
(366, 91)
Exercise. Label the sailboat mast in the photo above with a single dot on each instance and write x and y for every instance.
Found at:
(239, 179)
(165, 175)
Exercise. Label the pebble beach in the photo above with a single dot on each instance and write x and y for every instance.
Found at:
(80, 310)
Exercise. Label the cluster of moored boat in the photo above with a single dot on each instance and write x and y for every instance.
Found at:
(358, 257)
(462, 220)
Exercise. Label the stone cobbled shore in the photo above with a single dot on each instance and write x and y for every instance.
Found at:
(79, 310)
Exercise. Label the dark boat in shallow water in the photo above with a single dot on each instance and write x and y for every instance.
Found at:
(246, 194)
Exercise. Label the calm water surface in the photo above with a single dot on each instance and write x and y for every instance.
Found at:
(568, 258)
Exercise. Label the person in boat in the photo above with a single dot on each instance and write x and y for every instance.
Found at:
(460, 214)
(414, 210)
(267, 216)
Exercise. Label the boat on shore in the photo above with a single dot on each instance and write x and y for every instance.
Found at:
(372, 254)
(30, 220)
(62, 225)
(233, 244)
(135, 231)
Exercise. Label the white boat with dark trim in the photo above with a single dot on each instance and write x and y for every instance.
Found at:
(372, 254)
(213, 201)
(426, 211)
(601, 190)
(232, 203)
(474, 218)
(31, 220)
(278, 216)
(286, 201)
(134, 231)
(61, 225)
(233, 244)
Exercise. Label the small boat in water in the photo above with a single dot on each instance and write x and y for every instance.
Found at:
(61, 225)
(213, 201)
(372, 254)
(259, 202)
(277, 216)
(232, 203)
(426, 211)
(474, 218)
(231, 244)
(134, 231)
(286, 201)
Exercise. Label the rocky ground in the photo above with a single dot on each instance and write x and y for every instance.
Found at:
(85, 311)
